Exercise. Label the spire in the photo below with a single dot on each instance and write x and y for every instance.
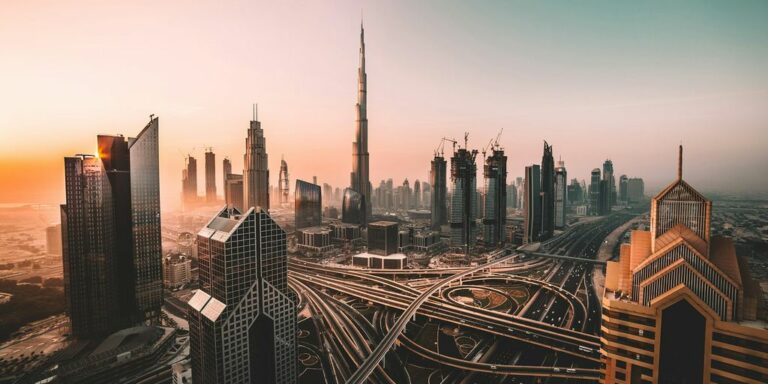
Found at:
(255, 111)
(680, 163)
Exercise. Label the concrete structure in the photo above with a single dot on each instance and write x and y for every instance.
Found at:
(177, 271)
(189, 181)
(234, 191)
(561, 195)
(360, 181)
(532, 205)
(111, 235)
(367, 260)
(210, 176)
(283, 182)
(463, 215)
(679, 305)
(495, 204)
(382, 238)
(53, 239)
(314, 239)
(181, 372)
(308, 204)
(242, 320)
(547, 193)
(346, 233)
(256, 167)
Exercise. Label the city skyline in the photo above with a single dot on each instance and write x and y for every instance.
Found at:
(655, 94)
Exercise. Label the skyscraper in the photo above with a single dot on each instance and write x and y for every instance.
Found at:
(439, 200)
(561, 195)
(111, 234)
(283, 182)
(635, 190)
(210, 176)
(611, 181)
(360, 182)
(235, 197)
(678, 302)
(532, 204)
(463, 215)
(352, 207)
(547, 192)
(416, 195)
(405, 202)
(226, 169)
(189, 181)
(242, 320)
(256, 171)
(623, 188)
(594, 193)
(308, 204)
(495, 212)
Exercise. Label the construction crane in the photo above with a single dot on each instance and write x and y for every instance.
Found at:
(439, 149)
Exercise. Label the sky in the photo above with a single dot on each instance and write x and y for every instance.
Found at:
(624, 80)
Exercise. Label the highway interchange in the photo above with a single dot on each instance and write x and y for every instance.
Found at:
(368, 321)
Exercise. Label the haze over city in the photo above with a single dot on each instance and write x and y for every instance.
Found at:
(622, 80)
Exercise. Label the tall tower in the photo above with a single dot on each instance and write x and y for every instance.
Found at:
(360, 182)
(417, 195)
(283, 182)
(532, 204)
(437, 176)
(681, 300)
(242, 320)
(210, 175)
(495, 212)
(463, 213)
(256, 167)
(111, 234)
(547, 192)
(561, 194)
(226, 169)
(189, 181)
(611, 181)
(594, 193)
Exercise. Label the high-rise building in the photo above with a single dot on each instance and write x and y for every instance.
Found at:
(594, 193)
(177, 270)
(360, 181)
(405, 202)
(189, 181)
(611, 181)
(439, 194)
(308, 204)
(426, 194)
(328, 193)
(561, 195)
(623, 188)
(53, 239)
(210, 176)
(416, 195)
(256, 167)
(547, 193)
(226, 169)
(463, 215)
(111, 240)
(575, 193)
(679, 304)
(242, 320)
(532, 204)
(283, 182)
(235, 197)
(353, 207)
(382, 238)
(635, 190)
(495, 212)
(604, 202)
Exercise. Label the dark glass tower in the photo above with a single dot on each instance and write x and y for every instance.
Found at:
(439, 192)
(242, 320)
(611, 181)
(111, 235)
(308, 204)
(532, 204)
(495, 212)
(561, 194)
(189, 181)
(226, 169)
(594, 193)
(210, 176)
(463, 199)
(353, 207)
(547, 192)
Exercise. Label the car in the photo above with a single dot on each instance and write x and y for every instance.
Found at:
(494, 367)
(570, 370)
(556, 369)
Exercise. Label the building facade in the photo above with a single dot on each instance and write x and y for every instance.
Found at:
(679, 305)
(210, 176)
(382, 238)
(308, 204)
(242, 320)
(111, 244)
(353, 207)
(561, 195)
(495, 209)
(189, 181)
(547, 193)
(360, 181)
(283, 182)
(256, 167)
(463, 215)
(439, 199)
(532, 204)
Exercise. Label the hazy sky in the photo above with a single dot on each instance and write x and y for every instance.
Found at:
(625, 80)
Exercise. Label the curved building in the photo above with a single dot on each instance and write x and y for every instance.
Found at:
(308, 204)
(353, 207)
